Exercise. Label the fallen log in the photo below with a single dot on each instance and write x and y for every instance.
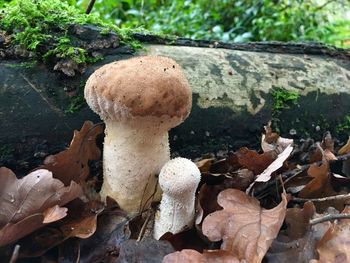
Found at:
(237, 88)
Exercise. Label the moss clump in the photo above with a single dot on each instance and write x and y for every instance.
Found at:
(42, 27)
(283, 99)
(344, 126)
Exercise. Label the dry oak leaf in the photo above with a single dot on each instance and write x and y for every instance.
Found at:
(254, 161)
(246, 229)
(27, 204)
(297, 220)
(192, 256)
(334, 246)
(79, 222)
(321, 186)
(72, 164)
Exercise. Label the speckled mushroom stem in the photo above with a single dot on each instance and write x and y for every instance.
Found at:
(179, 179)
(175, 213)
(134, 153)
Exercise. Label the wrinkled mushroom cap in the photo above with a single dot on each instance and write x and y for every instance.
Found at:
(179, 176)
(148, 86)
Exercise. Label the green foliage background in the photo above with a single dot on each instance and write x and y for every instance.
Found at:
(325, 21)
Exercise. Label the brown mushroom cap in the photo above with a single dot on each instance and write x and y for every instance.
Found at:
(148, 86)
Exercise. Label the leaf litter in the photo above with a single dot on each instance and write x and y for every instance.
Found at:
(243, 214)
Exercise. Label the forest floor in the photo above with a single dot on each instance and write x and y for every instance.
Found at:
(285, 202)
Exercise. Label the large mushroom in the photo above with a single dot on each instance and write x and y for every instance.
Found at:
(139, 99)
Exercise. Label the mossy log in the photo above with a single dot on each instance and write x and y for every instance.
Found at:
(232, 95)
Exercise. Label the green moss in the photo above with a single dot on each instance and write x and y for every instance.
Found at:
(36, 25)
(77, 102)
(26, 64)
(344, 126)
(283, 99)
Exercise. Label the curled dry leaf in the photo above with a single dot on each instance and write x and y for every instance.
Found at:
(246, 229)
(79, 222)
(253, 161)
(27, 203)
(345, 149)
(321, 186)
(192, 256)
(334, 246)
(297, 220)
(54, 213)
(271, 141)
(207, 196)
(275, 165)
(112, 230)
(72, 164)
(82, 219)
(188, 239)
(204, 164)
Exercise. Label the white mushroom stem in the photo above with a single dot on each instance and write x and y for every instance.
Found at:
(134, 153)
(179, 179)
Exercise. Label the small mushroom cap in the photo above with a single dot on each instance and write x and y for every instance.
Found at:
(147, 86)
(179, 176)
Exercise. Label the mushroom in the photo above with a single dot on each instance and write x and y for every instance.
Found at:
(179, 179)
(139, 99)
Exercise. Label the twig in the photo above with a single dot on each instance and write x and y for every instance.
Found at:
(329, 218)
(15, 254)
(90, 6)
(143, 229)
(323, 199)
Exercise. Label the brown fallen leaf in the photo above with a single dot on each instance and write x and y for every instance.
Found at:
(321, 186)
(271, 141)
(207, 196)
(345, 149)
(297, 220)
(245, 228)
(204, 164)
(192, 256)
(253, 161)
(82, 219)
(72, 164)
(79, 222)
(275, 165)
(54, 213)
(28, 203)
(300, 242)
(334, 246)
(112, 230)
(188, 239)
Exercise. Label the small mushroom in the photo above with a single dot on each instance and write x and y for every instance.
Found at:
(179, 179)
(139, 99)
